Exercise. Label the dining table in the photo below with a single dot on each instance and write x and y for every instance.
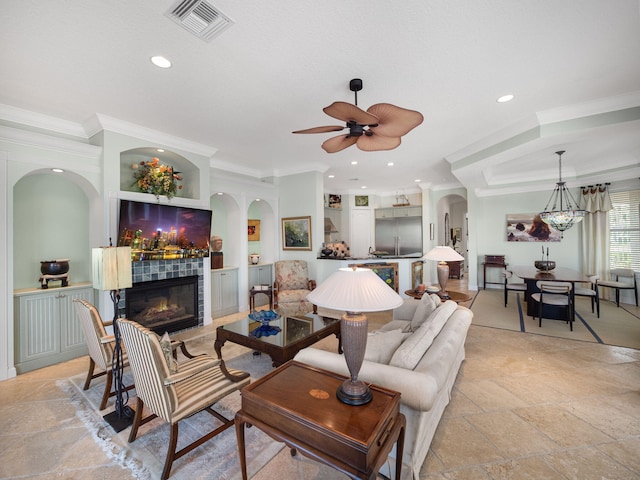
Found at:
(531, 275)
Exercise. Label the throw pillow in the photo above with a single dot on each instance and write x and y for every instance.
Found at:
(381, 345)
(413, 348)
(428, 303)
(165, 344)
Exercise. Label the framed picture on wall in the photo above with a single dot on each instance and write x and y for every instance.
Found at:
(529, 227)
(362, 200)
(296, 233)
(416, 274)
(254, 230)
(335, 201)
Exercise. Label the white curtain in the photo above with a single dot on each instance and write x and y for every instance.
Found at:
(596, 202)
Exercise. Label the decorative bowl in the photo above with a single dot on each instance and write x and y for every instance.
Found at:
(545, 265)
(54, 267)
(264, 316)
(432, 289)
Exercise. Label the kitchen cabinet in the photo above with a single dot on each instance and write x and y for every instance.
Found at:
(224, 292)
(395, 212)
(260, 274)
(47, 330)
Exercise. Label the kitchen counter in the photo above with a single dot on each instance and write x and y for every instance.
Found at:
(324, 269)
(371, 258)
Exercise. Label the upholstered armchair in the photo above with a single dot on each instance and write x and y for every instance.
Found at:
(291, 287)
(100, 346)
(173, 391)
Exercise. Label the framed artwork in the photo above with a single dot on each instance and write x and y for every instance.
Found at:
(254, 230)
(362, 200)
(296, 233)
(335, 201)
(388, 272)
(416, 274)
(529, 227)
(456, 236)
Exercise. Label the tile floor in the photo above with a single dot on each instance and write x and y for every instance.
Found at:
(524, 407)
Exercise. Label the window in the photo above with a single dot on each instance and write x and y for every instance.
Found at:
(624, 230)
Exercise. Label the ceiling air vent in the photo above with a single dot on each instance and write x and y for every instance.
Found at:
(200, 18)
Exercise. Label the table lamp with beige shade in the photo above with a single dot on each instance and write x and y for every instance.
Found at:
(354, 290)
(443, 254)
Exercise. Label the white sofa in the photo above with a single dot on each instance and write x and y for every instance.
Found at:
(418, 354)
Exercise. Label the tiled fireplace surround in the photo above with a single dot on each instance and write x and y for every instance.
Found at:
(149, 270)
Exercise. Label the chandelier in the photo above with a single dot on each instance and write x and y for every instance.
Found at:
(564, 211)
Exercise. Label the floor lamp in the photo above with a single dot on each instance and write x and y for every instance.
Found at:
(354, 290)
(442, 255)
(112, 272)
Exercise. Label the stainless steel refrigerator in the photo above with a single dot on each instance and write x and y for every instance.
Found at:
(399, 235)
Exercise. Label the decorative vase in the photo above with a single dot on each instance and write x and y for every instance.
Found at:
(254, 259)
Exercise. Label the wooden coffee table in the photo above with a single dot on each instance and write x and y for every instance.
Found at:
(295, 334)
(296, 404)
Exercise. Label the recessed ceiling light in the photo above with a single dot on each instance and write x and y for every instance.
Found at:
(364, 186)
(332, 176)
(505, 98)
(417, 180)
(161, 62)
(390, 164)
(57, 170)
(219, 193)
(257, 199)
(354, 162)
(160, 150)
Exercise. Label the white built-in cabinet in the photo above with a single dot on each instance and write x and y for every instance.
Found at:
(412, 211)
(261, 274)
(224, 292)
(47, 330)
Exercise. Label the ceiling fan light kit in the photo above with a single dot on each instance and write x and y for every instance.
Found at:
(379, 128)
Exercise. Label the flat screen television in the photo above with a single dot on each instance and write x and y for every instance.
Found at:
(155, 231)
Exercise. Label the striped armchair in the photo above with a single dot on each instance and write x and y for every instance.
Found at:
(100, 347)
(199, 383)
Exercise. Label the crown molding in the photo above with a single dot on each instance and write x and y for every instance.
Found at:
(101, 122)
(39, 120)
(34, 139)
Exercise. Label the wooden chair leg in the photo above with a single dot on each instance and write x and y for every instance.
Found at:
(92, 366)
(107, 390)
(136, 420)
(171, 451)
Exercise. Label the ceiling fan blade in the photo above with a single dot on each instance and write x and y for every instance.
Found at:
(335, 144)
(374, 143)
(328, 128)
(394, 121)
(347, 112)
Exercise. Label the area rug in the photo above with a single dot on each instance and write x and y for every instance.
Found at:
(616, 326)
(216, 459)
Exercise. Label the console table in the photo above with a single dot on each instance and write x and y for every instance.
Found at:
(492, 261)
(296, 404)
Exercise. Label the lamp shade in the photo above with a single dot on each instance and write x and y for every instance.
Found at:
(355, 290)
(443, 254)
(111, 268)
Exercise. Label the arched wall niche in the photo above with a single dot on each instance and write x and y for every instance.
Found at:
(224, 223)
(187, 170)
(55, 215)
(454, 208)
(266, 247)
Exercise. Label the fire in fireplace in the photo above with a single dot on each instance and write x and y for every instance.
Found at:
(164, 305)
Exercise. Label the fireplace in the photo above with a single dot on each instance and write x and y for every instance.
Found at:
(164, 305)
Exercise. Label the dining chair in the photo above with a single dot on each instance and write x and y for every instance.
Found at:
(174, 394)
(557, 294)
(590, 292)
(511, 286)
(621, 279)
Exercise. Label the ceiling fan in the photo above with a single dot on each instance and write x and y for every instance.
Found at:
(379, 128)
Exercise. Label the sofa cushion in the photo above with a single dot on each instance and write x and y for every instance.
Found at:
(381, 345)
(428, 303)
(403, 325)
(413, 348)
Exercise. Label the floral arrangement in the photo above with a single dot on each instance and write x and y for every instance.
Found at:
(154, 177)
